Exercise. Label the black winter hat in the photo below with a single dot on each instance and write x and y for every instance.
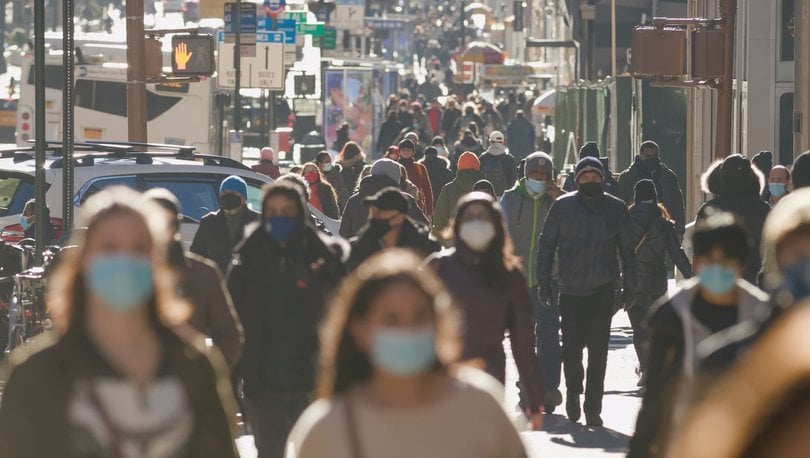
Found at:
(484, 186)
(645, 192)
(590, 149)
(407, 144)
(588, 164)
(389, 198)
(801, 171)
(763, 161)
(431, 151)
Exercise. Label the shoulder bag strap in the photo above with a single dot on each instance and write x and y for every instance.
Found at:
(105, 419)
(641, 242)
(351, 424)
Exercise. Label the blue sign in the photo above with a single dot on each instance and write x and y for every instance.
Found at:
(288, 27)
(248, 22)
(270, 37)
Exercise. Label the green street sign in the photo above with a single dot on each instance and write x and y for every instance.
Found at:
(298, 16)
(329, 38)
(314, 29)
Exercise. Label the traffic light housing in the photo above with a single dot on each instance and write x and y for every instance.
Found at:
(193, 55)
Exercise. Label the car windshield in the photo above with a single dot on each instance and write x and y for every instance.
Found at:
(15, 191)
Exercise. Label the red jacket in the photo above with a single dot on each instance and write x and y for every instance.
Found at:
(418, 175)
(267, 168)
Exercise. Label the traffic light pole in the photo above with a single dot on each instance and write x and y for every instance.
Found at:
(136, 76)
(725, 90)
(39, 128)
(237, 65)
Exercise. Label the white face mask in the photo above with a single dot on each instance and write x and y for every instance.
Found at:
(477, 234)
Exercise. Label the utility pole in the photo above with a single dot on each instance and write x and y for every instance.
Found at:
(613, 38)
(237, 65)
(40, 210)
(587, 11)
(68, 60)
(801, 92)
(136, 77)
(463, 24)
(725, 89)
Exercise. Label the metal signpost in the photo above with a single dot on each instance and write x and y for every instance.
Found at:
(39, 126)
(68, 60)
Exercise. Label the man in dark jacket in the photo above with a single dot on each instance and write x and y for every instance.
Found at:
(28, 221)
(281, 277)
(520, 136)
(389, 132)
(590, 231)
(498, 166)
(438, 169)
(648, 166)
(384, 173)
(202, 283)
(389, 226)
(449, 118)
(591, 149)
(221, 231)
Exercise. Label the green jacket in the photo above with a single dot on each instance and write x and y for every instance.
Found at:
(448, 199)
(34, 412)
(525, 216)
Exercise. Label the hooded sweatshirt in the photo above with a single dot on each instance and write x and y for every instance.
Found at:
(524, 215)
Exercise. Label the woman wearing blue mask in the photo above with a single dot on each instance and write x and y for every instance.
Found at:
(717, 299)
(386, 387)
(281, 275)
(119, 380)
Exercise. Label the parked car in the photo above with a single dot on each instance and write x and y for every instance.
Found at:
(193, 178)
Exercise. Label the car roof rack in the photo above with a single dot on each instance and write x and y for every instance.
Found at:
(182, 150)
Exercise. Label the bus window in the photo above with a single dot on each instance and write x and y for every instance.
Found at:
(15, 191)
(103, 96)
(156, 104)
(54, 77)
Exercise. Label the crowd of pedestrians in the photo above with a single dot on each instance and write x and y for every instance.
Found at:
(386, 339)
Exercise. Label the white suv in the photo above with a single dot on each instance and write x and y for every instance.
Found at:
(193, 178)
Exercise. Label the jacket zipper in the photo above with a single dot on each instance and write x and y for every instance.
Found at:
(534, 240)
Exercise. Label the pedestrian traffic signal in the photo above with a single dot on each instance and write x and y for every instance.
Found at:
(304, 84)
(193, 55)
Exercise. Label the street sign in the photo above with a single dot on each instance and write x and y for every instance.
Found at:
(329, 39)
(349, 14)
(193, 55)
(248, 23)
(378, 23)
(265, 70)
(288, 26)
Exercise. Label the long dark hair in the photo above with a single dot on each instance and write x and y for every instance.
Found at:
(349, 151)
(499, 260)
(343, 364)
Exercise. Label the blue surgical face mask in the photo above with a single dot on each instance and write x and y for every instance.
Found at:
(328, 167)
(797, 280)
(122, 281)
(777, 189)
(718, 279)
(25, 223)
(535, 186)
(404, 352)
(280, 228)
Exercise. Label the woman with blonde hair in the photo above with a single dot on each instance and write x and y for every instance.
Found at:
(124, 377)
(387, 389)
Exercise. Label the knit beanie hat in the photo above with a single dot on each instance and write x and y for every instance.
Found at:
(407, 144)
(645, 192)
(590, 149)
(234, 184)
(588, 164)
(469, 161)
(387, 168)
(801, 171)
(484, 186)
(763, 161)
(539, 161)
(431, 151)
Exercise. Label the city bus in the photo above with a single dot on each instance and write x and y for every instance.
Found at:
(177, 113)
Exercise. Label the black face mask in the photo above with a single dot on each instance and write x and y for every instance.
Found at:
(377, 228)
(651, 163)
(230, 202)
(590, 190)
(405, 161)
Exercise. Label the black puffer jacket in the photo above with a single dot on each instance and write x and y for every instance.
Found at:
(654, 238)
(438, 169)
(666, 185)
(414, 236)
(355, 215)
(589, 237)
(280, 295)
